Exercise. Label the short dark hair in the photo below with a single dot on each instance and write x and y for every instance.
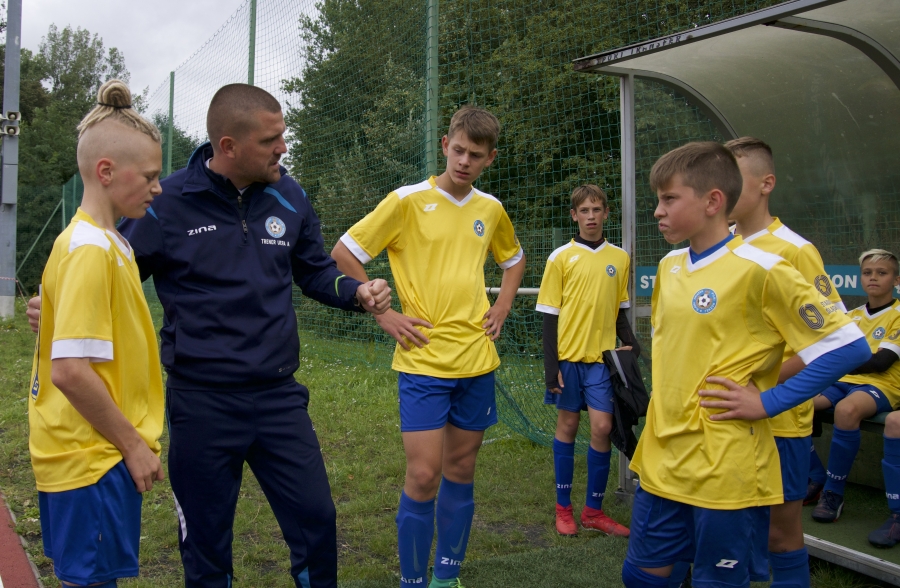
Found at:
(585, 192)
(751, 146)
(703, 166)
(478, 124)
(232, 108)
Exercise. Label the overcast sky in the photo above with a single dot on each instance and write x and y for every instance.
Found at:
(155, 35)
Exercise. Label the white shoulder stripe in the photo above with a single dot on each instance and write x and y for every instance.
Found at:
(488, 196)
(675, 252)
(757, 256)
(785, 234)
(85, 233)
(846, 334)
(559, 250)
(405, 191)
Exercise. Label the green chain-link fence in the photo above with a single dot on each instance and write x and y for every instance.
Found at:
(368, 86)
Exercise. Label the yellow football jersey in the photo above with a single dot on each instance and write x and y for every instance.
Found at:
(437, 247)
(727, 315)
(586, 288)
(92, 306)
(882, 331)
(803, 255)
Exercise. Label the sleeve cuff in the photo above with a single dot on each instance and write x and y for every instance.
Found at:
(546, 309)
(625, 304)
(511, 261)
(891, 347)
(96, 350)
(355, 249)
(846, 334)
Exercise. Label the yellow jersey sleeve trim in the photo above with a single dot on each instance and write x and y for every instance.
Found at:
(846, 334)
(891, 346)
(546, 309)
(625, 304)
(96, 350)
(357, 251)
(512, 260)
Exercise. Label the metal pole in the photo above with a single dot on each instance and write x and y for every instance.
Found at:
(251, 56)
(63, 215)
(171, 122)
(627, 479)
(10, 154)
(432, 80)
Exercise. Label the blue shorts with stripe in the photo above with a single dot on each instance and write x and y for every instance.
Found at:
(428, 403)
(584, 385)
(793, 452)
(93, 533)
(723, 545)
(840, 390)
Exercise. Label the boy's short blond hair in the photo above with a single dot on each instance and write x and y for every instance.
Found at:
(588, 191)
(703, 166)
(114, 103)
(753, 147)
(876, 255)
(478, 124)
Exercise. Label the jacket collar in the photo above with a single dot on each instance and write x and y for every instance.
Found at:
(200, 178)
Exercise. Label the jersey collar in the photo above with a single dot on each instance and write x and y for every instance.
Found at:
(460, 203)
(892, 306)
(712, 257)
(122, 245)
(586, 248)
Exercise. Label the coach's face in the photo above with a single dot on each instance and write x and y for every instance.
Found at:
(258, 152)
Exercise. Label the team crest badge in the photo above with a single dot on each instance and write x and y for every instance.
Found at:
(812, 317)
(704, 301)
(479, 228)
(879, 333)
(35, 386)
(611, 271)
(275, 227)
(823, 285)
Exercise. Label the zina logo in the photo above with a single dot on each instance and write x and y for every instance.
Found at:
(430, 207)
(201, 230)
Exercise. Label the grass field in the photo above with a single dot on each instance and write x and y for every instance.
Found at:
(355, 412)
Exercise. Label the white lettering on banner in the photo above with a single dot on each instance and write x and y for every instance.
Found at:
(648, 282)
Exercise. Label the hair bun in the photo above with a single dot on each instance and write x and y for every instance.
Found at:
(115, 94)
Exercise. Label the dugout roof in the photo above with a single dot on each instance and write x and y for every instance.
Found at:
(819, 80)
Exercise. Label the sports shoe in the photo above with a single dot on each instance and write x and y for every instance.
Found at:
(888, 534)
(829, 508)
(451, 583)
(813, 492)
(596, 520)
(565, 523)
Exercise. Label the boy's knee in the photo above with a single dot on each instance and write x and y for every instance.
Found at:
(425, 479)
(600, 431)
(892, 425)
(849, 412)
(567, 424)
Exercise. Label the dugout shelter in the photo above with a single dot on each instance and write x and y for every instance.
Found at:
(819, 80)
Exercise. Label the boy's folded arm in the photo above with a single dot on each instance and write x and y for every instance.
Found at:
(815, 377)
(625, 334)
(880, 361)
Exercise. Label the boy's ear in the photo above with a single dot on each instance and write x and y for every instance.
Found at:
(768, 184)
(716, 202)
(445, 144)
(491, 156)
(574, 215)
(104, 171)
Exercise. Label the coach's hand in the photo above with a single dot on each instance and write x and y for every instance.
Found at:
(494, 319)
(402, 327)
(374, 296)
(34, 313)
(739, 402)
(144, 466)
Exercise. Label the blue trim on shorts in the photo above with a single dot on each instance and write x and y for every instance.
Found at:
(840, 390)
(722, 544)
(793, 453)
(428, 403)
(584, 385)
(93, 533)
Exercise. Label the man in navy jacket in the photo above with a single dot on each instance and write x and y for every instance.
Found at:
(223, 242)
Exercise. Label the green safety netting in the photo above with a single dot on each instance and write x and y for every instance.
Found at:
(357, 80)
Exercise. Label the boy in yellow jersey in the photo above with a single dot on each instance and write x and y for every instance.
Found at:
(872, 387)
(722, 313)
(96, 406)
(437, 234)
(792, 428)
(583, 297)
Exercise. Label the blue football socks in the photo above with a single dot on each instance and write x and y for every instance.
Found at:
(816, 469)
(890, 465)
(598, 475)
(791, 569)
(415, 533)
(564, 464)
(455, 509)
(844, 447)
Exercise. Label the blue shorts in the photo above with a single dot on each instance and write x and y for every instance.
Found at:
(722, 544)
(428, 403)
(584, 385)
(793, 452)
(93, 533)
(840, 390)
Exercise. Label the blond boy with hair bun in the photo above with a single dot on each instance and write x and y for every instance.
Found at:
(96, 402)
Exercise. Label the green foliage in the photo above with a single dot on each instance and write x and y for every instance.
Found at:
(183, 143)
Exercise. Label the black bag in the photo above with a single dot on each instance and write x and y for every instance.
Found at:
(630, 398)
